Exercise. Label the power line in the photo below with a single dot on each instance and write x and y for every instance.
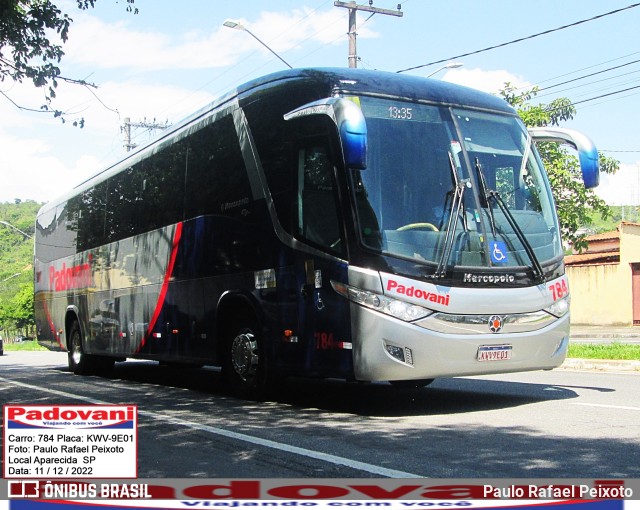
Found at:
(612, 99)
(528, 87)
(353, 9)
(216, 91)
(617, 87)
(583, 69)
(606, 95)
(151, 126)
(589, 75)
(609, 94)
(521, 38)
(594, 83)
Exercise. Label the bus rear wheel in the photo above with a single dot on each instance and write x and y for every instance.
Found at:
(81, 363)
(245, 364)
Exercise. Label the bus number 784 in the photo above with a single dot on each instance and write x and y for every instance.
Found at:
(559, 289)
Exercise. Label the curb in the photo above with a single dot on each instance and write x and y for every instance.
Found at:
(602, 365)
(596, 335)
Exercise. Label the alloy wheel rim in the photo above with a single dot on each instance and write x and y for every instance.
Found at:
(244, 355)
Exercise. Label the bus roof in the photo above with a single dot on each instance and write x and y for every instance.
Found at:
(327, 82)
(381, 83)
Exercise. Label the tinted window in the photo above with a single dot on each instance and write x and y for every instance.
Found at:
(162, 181)
(217, 181)
(277, 142)
(91, 217)
(122, 200)
(317, 212)
(299, 160)
(202, 173)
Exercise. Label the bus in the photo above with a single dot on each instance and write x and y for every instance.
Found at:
(341, 223)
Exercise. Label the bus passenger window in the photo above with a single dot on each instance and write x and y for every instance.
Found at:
(317, 215)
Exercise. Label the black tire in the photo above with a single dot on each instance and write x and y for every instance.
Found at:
(81, 363)
(245, 364)
(412, 384)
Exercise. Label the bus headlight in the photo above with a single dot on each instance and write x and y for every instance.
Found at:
(560, 308)
(399, 309)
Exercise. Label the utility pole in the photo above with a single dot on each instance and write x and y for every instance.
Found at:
(126, 129)
(353, 9)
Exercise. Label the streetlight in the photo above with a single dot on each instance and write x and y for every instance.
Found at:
(6, 223)
(450, 65)
(9, 278)
(239, 26)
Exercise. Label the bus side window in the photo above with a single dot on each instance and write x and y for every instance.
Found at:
(317, 202)
(161, 184)
(217, 181)
(91, 217)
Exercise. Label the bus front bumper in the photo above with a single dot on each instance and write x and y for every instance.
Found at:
(387, 349)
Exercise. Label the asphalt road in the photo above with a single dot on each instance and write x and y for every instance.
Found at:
(558, 424)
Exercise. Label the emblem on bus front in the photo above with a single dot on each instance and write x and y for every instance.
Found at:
(495, 323)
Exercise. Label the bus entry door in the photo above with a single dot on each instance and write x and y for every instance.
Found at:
(324, 320)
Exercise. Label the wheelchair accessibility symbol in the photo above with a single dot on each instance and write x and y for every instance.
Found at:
(498, 252)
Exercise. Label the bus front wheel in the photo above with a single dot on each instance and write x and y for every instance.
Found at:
(245, 363)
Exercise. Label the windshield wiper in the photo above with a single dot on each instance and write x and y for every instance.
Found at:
(488, 194)
(454, 213)
(484, 190)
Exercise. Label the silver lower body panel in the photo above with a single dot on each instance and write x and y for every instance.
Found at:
(433, 354)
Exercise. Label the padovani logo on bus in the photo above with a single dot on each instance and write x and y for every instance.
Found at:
(395, 287)
(79, 276)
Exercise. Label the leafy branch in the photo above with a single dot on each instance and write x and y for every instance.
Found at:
(575, 204)
(32, 33)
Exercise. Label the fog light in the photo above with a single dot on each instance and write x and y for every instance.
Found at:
(396, 352)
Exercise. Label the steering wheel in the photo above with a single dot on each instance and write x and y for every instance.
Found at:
(413, 226)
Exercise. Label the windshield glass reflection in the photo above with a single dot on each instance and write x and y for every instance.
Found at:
(424, 194)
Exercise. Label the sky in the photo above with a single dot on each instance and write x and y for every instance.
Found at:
(172, 58)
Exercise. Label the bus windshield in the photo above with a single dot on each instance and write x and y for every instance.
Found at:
(453, 187)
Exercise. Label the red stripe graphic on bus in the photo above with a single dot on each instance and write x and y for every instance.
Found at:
(52, 326)
(165, 284)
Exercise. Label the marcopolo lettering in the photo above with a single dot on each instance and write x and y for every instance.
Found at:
(412, 291)
(488, 278)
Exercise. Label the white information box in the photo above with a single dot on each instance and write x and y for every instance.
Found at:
(70, 441)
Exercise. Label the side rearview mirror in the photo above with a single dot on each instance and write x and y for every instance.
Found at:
(587, 152)
(350, 122)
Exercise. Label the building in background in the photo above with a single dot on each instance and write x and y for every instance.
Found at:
(605, 279)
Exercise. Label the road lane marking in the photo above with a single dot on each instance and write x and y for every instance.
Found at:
(628, 408)
(267, 443)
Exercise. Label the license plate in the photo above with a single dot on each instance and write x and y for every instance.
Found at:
(494, 352)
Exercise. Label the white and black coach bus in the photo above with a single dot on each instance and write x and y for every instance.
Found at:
(319, 222)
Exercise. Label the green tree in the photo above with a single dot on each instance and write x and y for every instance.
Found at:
(576, 205)
(16, 267)
(32, 33)
(22, 308)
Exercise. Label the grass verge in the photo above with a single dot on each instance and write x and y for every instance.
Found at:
(613, 350)
(30, 345)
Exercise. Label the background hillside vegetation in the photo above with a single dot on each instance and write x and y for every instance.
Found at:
(16, 268)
